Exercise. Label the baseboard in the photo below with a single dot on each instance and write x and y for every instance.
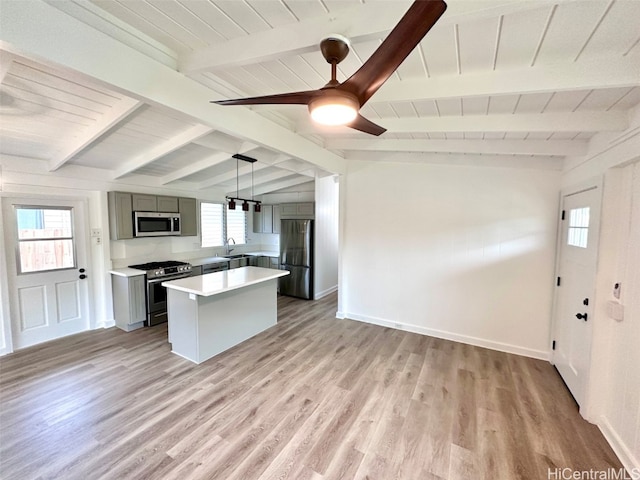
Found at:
(340, 315)
(326, 292)
(626, 456)
(478, 342)
(106, 324)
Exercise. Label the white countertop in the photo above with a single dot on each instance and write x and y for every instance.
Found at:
(264, 253)
(195, 262)
(220, 282)
(207, 260)
(127, 272)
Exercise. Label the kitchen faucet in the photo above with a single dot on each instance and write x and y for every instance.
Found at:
(226, 244)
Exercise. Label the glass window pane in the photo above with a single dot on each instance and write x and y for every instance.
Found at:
(39, 255)
(43, 223)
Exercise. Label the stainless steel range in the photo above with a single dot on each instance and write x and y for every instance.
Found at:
(156, 273)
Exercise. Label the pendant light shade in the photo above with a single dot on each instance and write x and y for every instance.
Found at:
(232, 204)
(245, 206)
(257, 208)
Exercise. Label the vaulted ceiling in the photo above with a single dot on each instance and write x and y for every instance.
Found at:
(493, 79)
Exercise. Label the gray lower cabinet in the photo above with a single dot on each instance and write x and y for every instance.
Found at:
(129, 301)
(188, 216)
(215, 267)
(196, 270)
(120, 215)
(268, 262)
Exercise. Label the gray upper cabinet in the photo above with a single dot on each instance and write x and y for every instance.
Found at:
(167, 204)
(144, 203)
(276, 219)
(188, 216)
(264, 222)
(123, 204)
(297, 210)
(120, 215)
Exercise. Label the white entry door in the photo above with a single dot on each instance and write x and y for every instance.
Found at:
(574, 294)
(46, 261)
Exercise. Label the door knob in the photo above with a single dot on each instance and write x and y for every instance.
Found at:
(585, 301)
(581, 316)
(81, 270)
(82, 277)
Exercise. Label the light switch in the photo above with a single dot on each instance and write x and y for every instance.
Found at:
(96, 232)
(615, 310)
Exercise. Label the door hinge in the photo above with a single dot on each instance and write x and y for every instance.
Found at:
(563, 214)
(558, 282)
(553, 345)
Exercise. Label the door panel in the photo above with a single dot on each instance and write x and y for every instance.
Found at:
(48, 300)
(33, 311)
(574, 295)
(68, 301)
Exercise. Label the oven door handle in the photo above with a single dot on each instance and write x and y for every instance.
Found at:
(166, 279)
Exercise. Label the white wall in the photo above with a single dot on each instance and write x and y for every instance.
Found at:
(464, 253)
(325, 277)
(613, 392)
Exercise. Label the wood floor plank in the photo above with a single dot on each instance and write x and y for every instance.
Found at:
(312, 398)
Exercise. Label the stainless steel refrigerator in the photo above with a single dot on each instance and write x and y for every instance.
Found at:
(296, 255)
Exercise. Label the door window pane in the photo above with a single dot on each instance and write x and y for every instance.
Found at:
(37, 256)
(43, 223)
(45, 239)
(578, 227)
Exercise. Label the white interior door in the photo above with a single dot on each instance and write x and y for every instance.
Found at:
(574, 296)
(46, 261)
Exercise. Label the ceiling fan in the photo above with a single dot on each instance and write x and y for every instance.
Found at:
(339, 103)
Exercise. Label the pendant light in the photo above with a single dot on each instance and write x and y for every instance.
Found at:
(245, 201)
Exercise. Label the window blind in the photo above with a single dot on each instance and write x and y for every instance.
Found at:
(237, 225)
(211, 224)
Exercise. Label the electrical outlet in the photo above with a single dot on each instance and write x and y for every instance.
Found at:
(98, 240)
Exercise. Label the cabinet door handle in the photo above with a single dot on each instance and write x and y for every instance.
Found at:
(581, 316)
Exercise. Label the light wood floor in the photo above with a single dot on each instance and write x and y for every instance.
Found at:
(312, 398)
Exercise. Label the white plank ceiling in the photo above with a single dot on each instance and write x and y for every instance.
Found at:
(493, 78)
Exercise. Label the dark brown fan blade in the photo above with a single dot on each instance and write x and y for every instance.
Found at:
(293, 98)
(366, 126)
(412, 28)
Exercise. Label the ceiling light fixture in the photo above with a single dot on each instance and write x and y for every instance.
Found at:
(245, 201)
(335, 108)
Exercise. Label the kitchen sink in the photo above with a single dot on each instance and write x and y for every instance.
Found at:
(240, 255)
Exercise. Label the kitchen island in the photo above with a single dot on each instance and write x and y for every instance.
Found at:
(211, 313)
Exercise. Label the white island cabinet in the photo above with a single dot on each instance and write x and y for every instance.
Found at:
(211, 313)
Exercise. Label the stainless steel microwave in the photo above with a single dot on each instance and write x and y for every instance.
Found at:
(155, 224)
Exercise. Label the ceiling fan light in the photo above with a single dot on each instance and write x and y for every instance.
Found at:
(334, 109)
